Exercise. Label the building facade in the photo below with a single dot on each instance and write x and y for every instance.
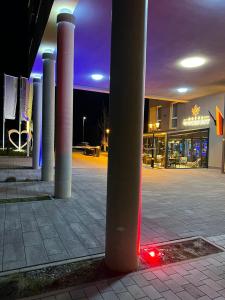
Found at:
(183, 135)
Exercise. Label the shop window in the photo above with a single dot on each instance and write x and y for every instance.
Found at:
(188, 150)
(173, 113)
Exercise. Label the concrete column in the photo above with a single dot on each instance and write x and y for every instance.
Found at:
(128, 53)
(64, 105)
(37, 121)
(48, 117)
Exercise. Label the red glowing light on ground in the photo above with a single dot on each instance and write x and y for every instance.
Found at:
(152, 253)
(153, 256)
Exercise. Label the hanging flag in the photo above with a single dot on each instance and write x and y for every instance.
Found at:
(30, 101)
(219, 122)
(10, 97)
(26, 99)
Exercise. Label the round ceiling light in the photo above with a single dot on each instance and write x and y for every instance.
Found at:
(36, 75)
(182, 90)
(193, 62)
(97, 77)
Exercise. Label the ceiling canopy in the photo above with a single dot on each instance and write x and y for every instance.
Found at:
(176, 30)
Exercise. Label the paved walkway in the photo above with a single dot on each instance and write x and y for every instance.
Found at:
(176, 203)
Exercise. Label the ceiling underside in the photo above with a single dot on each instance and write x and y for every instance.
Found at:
(22, 29)
(176, 29)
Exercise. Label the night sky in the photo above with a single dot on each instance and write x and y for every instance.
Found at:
(88, 104)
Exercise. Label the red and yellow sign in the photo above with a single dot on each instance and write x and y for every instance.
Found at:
(219, 122)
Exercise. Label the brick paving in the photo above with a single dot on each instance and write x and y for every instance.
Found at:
(176, 203)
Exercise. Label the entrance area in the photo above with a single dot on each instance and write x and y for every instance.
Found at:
(178, 149)
(188, 149)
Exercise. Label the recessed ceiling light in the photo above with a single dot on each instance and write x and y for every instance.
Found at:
(47, 48)
(65, 10)
(97, 77)
(193, 62)
(182, 90)
(36, 75)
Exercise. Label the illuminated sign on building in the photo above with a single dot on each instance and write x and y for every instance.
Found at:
(196, 119)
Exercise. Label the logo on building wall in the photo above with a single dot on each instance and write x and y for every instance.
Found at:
(196, 119)
(196, 110)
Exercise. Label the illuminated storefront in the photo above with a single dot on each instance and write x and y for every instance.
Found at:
(187, 136)
(188, 149)
(177, 149)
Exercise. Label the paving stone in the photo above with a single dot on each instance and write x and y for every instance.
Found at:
(92, 293)
(159, 285)
(11, 265)
(140, 280)
(77, 294)
(58, 257)
(103, 286)
(125, 296)
(32, 238)
(109, 296)
(208, 291)
(13, 236)
(184, 295)
(169, 295)
(63, 296)
(127, 280)
(161, 275)
(117, 286)
(13, 252)
(136, 292)
(54, 246)
(193, 291)
(29, 225)
(212, 284)
(179, 279)
(36, 255)
(149, 275)
(151, 292)
(48, 231)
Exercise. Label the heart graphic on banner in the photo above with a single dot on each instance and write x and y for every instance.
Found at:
(15, 131)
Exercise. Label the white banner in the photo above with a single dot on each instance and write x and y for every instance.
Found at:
(10, 97)
(26, 99)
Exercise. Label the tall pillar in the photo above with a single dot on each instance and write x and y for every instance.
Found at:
(48, 116)
(128, 55)
(64, 105)
(37, 121)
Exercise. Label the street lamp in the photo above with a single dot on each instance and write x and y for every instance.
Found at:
(84, 118)
(107, 136)
(153, 127)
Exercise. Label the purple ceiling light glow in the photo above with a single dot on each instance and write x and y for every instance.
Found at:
(176, 30)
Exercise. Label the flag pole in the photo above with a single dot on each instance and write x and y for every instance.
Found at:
(3, 127)
(20, 116)
(3, 134)
(28, 136)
